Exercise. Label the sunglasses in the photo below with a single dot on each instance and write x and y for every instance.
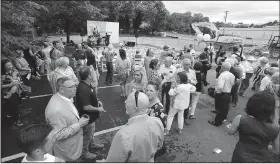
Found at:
(136, 94)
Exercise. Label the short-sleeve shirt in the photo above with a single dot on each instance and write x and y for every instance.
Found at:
(85, 95)
(225, 81)
(157, 110)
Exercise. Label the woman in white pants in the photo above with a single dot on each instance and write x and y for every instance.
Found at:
(181, 96)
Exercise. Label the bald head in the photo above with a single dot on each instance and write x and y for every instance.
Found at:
(142, 104)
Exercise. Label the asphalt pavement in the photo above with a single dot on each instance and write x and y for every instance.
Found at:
(196, 144)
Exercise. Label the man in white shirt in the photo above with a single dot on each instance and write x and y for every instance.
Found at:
(193, 81)
(141, 137)
(167, 71)
(67, 125)
(249, 70)
(222, 97)
(192, 50)
(211, 51)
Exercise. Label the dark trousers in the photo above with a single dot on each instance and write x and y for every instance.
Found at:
(11, 106)
(107, 42)
(25, 80)
(234, 93)
(211, 57)
(187, 111)
(218, 71)
(222, 102)
(109, 75)
(245, 83)
(165, 89)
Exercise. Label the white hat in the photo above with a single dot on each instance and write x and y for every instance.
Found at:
(251, 58)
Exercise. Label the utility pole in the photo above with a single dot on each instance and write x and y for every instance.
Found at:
(225, 19)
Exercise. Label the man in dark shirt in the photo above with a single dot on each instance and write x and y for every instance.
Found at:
(107, 39)
(87, 103)
(79, 54)
(204, 59)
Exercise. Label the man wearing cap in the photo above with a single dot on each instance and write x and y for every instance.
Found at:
(167, 71)
(222, 98)
(249, 70)
(141, 137)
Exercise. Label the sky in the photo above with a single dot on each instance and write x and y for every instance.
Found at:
(247, 12)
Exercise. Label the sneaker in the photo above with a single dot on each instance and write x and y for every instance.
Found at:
(18, 123)
(89, 155)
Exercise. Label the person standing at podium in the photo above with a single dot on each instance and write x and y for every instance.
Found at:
(107, 39)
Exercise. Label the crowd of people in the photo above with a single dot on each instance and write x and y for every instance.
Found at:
(165, 86)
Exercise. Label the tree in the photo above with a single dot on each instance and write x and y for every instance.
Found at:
(17, 19)
(71, 15)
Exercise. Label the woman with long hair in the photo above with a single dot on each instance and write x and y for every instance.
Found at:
(139, 80)
(123, 69)
(156, 109)
(256, 130)
(153, 74)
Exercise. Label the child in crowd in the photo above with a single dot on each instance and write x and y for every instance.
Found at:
(180, 90)
(33, 140)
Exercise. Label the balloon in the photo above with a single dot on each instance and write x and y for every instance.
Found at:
(199, 37)
(202, 45)
(206, 37)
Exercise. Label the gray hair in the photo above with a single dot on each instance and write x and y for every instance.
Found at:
(62, 61)
(226, 65)
(187, 61)
(60, 82)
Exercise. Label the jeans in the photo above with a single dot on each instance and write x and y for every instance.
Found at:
(194, 101)
(165, 96)
(245, 83)
(222, 102)
(88, 137)
(234, 92)
(171, 115)
(110, 70)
